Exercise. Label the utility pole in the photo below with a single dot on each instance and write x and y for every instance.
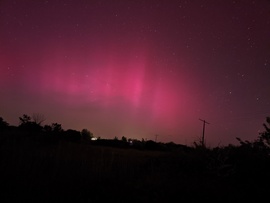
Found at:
(204, 122)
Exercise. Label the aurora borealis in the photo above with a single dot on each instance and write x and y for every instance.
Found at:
(138, 68)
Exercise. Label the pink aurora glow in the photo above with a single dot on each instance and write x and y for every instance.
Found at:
(138, 68)
(108, 83)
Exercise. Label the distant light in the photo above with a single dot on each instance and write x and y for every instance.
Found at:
(93, 138)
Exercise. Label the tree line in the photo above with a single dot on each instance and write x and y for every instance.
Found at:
(32, 126)
(53, 133)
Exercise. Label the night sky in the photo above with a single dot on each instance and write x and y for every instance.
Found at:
(138, 68)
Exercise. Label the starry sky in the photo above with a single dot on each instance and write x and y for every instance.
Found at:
(138, 68)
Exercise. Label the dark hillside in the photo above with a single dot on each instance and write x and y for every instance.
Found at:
(61, 166)
(71, 171)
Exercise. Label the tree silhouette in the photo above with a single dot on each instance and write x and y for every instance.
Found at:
(124, 139)
(25, 119)
(47, 128)
(72, 135)
(3, 124)
(262, 143)
(86, 134)
(56, 127)
(38, 118)
(27, 124)
(265, 136)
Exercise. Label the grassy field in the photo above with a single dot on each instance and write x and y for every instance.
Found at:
(32, 171)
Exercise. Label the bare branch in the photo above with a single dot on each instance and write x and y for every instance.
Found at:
(38, 118)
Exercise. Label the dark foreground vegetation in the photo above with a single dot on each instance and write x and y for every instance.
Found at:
(48, 164)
